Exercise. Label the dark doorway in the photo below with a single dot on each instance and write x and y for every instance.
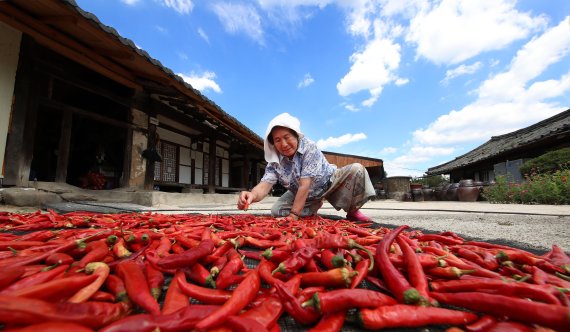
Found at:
(96, 154)
(46, 144)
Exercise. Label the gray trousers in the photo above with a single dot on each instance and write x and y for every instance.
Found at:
(350, 189)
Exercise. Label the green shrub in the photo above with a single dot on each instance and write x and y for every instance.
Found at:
(548, 162)
(540, 188)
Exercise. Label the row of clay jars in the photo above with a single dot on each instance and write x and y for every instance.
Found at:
(464, 190)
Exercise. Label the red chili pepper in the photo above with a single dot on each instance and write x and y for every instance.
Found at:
(337, 241)
(512, 288)
(218, 265)
(482, 324)
(182, 320)
(164, 247)
(17, 245)
(54, 290)
(120, 250)
(116, 286)
(296, 261)
(489, 263)
(512, 327)
(553, 316)
(243, 324)
(265, 268)
(99, 269)
(218, 253)
(202, 294)
(559, 257)
(362, 272)
(25, 311)
(200, 275)
(396, 282)
(339, 277)
(59, 258)
(234, 265)
(96, 251)
(10, 275)
(267, 313)
(449, 240)
(293, 306)
(241, 296)
(402, 315)
(448, 272)
(174, 299)
(154, 278)
(137, 287)
(415, 271)
(345, 299)
(53, 327)
(186, 242)
(102, 296)
(276, 256)
(332, 322)
(187, 258)
(331, 260)
(67, 246)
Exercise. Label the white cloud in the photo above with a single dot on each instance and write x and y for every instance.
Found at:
(182, 55)
(240, 18)
(203, 34)
(130, 2)
(371, 69)
(401, 81)
(531, 61)
(161, 29)
(451, 31)
(181, 6)
(306, 81)
(351, 108)
(335, 142)
(388, 150)
(202, 83)
(506, 101)
(461, 70)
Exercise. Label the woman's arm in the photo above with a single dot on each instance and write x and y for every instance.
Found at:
(301, 197)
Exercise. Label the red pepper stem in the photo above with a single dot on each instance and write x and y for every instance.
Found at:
(354, 245)
(562, 276)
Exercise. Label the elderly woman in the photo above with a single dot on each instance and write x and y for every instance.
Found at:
(296, 163)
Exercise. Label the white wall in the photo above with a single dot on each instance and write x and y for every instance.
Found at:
(9, 51)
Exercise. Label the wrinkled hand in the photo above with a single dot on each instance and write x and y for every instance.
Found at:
(244, 200)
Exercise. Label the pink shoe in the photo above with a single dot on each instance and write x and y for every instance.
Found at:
(356, 215)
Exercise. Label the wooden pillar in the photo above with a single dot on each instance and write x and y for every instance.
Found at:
(212, 165)
(246, 182)
(63, 147)
(21, 134)
(149, 174)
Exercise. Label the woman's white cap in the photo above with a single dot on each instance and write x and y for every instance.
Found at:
(282, 120)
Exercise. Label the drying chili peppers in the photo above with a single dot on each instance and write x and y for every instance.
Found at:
(101, 271)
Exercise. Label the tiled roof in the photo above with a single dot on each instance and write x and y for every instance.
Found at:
(503, 144)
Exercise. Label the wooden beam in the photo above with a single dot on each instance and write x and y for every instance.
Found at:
(55, 40)
(88, 114)
(59, 19)
(212, 165)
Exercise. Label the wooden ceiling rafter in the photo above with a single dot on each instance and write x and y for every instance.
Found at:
(53, 39)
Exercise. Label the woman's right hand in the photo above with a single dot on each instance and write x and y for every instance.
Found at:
(244, 200)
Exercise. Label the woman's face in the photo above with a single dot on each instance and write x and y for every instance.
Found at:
(285, 141)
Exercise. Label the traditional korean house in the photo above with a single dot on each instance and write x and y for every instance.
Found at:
(80, 104)
(505, 154)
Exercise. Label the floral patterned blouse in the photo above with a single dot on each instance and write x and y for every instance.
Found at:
(308, 162)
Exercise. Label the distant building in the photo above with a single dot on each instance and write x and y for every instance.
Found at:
(504, 154)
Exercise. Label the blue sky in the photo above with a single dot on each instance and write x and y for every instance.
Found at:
(413, 82)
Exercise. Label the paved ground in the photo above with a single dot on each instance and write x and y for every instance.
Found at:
(533, 227)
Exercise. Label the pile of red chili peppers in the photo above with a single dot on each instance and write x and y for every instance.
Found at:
(84, 271)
